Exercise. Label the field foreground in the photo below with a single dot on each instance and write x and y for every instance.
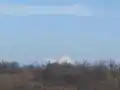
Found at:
(82, 76)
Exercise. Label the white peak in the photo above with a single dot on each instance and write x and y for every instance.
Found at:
(61, 60)
(65, 59)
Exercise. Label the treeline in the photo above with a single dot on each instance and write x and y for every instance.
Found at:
(82, 76)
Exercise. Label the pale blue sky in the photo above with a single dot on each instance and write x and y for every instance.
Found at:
(26, 38)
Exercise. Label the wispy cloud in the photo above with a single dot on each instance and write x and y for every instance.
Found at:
(25, 10)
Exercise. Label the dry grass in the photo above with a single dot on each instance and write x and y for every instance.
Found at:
(5, 82)
(62, 77)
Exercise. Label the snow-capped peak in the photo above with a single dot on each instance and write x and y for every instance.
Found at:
(61, 60)
(65, 59)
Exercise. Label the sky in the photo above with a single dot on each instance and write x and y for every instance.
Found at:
(81, 29)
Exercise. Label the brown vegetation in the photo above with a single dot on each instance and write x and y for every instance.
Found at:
(60, 77)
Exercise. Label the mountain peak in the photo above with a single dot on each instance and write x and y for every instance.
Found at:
(64, 59)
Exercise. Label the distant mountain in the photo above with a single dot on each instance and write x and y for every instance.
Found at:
(60, 60)
(65, 59)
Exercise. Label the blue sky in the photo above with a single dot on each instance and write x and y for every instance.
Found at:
(32, 37)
